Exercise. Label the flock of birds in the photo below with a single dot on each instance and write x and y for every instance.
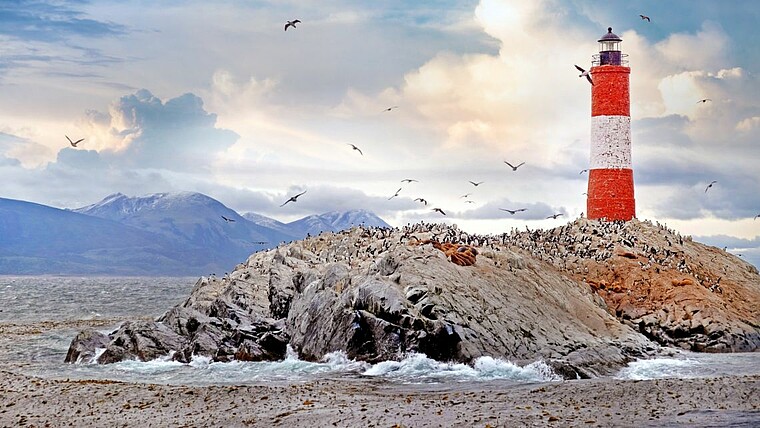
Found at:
(294, 198)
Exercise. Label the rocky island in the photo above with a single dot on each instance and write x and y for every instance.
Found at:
(586, 298)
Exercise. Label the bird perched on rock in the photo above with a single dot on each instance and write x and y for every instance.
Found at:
(554, 216)
(228, 220)
(645, 18)
(356, 148)
(291, 24)
(514, 168)
(293, 198)
(74, 143)
(710, 185)
(585, 73)
(513, 212)
(439, 210)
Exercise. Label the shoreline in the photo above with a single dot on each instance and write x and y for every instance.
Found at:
(718, 401)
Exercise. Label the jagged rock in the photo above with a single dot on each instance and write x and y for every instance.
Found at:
(141, 340)
(380, 293)
(84, 346)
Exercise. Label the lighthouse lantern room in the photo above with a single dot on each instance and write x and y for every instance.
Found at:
(610, 180)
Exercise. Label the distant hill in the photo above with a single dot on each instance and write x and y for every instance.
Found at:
(335, 221)
(159, 234)
(37, 239)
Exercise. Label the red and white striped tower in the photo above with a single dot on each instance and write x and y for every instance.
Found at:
(610, 179)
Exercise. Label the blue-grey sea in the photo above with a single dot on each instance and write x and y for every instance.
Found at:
(40, 315)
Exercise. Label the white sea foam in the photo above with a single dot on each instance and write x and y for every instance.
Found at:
(659, 368)
(418, 367)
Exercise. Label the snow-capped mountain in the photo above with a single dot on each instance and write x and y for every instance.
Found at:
(37, 239)
(195, 222)
(336, 221)
(160, 234)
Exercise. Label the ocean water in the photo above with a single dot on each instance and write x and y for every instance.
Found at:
(40, 315)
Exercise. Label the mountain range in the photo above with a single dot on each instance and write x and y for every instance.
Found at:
(160, 234)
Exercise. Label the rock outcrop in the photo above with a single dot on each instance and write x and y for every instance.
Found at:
(676, 291)
(558, 295)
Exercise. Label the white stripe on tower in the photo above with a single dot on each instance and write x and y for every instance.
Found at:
(610, 142)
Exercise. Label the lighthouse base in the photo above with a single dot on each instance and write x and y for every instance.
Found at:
(610, 195)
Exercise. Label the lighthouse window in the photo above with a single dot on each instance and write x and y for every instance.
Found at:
(609, 46)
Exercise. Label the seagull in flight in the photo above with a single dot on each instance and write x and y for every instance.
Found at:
(554, 216)
(293, 198)
(477, 184)
(439, 210)
(390, 108)
(585, 73)
(514, 168)
(466, 195)
(582, 171)
(469, 201)
(645, 18)
(409, 180)
(703, 100)
(513, 212)
(421, 200)
(291, 24)
(710, 185)
(228, 220)
(756, 217)
(356, 148)
(395, 194)
(74, 143)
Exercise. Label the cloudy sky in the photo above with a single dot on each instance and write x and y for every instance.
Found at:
(215, 97)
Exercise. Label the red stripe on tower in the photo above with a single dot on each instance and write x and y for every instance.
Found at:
(610, 179)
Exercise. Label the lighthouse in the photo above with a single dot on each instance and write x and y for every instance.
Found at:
(610, 179)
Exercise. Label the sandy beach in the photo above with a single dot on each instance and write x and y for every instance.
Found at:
(727, 401)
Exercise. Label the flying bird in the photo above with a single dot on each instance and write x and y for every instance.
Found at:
(395, 194)
(704, 100)
(409, 180)
(390, 108)
(585, 73)
(74, 143)
(293, 198)
(756, 217)
(514, 168)
(291, 24)
(421, 200)
(554, 216)
(466, 195)
(477, 184)
(582, 171)
(228, 220)
(356, 148)
(439, 210)
(513, 212)
(710, 185)
(645, 18)
(469, 202)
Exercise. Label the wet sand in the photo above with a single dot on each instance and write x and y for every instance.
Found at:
(725, 401)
